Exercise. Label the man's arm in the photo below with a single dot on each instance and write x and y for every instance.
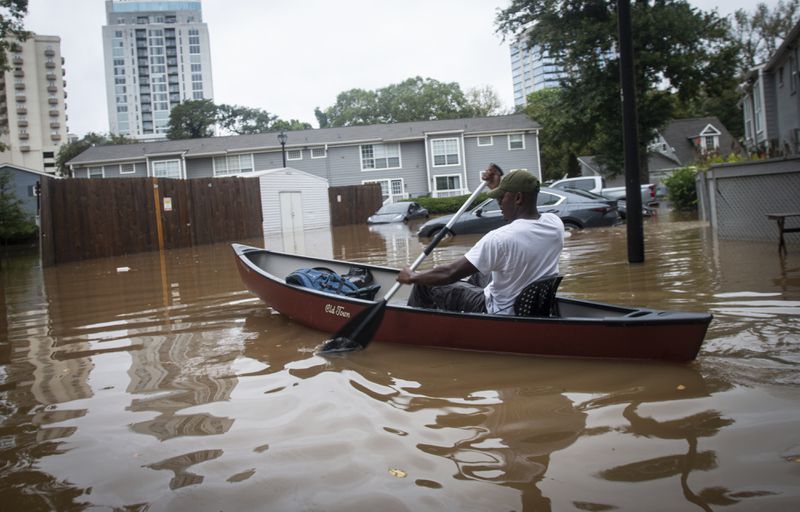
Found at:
(443, 274)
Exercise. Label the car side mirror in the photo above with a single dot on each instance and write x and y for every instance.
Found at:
(479, 212)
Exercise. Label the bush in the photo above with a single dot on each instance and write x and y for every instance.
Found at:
(437, 205)
(681, 188)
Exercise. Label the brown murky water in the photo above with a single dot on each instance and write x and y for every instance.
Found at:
(169, 387)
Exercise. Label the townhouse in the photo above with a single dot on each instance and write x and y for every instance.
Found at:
(439, 158)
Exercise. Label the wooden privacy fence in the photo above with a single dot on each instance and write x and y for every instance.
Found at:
(85, 218)
(353, 204)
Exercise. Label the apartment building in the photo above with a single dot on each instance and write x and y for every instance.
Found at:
(439, 158)
(33, 117)
(771, 101)
(532, 69)
(157, 55)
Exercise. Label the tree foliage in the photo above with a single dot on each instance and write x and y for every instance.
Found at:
(70, 150)
(681, 188)
(761, 33)
(243, 120)
(15, 223)
(680, 53)
(561, 139)
(197, 118)
(11, 28)
(485, 101)
(414, 99)
(192, 119)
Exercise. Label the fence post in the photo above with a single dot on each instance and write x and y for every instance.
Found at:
(159, 226)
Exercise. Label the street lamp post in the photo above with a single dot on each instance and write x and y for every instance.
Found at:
(282, 139)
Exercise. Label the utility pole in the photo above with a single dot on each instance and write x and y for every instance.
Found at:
(630, 132)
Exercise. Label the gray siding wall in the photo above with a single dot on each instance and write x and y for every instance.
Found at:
(22, 184)
(736, 198)
(113, 171)
(788, 108)
(342, 164)
(771, 106)
(479, 157)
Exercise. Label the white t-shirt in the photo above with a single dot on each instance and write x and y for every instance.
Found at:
(516, 255)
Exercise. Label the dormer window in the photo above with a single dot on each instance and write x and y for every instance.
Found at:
(709, 139)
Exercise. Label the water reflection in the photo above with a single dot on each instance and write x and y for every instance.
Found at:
(156, 381)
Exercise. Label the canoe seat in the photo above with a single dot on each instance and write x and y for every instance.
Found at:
(539, 298)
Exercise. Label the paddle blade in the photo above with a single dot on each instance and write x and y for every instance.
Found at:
(358, 332)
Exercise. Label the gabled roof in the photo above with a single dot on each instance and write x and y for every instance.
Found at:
(679, 134)
(15, 167)
(377, 133)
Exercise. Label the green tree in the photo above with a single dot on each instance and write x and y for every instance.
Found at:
(11, 32)
(422, 99)
(244, 120)
(484, 101)
(760, 33)
(70, 150)
(679, 50)
(15, 223)
(561, 139)
(11, 27)
(291, 124)
(192, 119)
(353, 107)
(414, 99)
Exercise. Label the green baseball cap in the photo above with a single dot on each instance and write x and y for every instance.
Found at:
(518, 180)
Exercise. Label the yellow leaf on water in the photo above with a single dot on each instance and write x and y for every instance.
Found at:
(681, 387)
(398, 473)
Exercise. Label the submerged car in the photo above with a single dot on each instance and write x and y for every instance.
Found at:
(398, 212)
(576, 212)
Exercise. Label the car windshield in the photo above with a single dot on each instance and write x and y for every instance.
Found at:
(393, 208)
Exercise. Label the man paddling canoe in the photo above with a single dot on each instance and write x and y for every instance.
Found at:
(526, 249)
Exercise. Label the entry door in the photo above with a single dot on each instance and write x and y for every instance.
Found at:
(292, 221)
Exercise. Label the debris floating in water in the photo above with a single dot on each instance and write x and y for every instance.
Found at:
(123, 269)
(397, 473)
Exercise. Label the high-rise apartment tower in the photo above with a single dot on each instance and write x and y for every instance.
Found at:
(532, 69)
(157, 55)
(33, 117)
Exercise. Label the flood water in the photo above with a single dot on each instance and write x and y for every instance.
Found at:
(157, 382)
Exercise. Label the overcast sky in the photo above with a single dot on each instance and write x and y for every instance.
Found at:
(290, 56)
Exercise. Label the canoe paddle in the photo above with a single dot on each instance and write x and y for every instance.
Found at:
(358, 332)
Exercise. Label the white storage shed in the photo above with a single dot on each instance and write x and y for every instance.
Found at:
(292, 201)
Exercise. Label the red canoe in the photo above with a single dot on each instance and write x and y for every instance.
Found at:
(583, 329)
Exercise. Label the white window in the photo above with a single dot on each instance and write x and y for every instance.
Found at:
(167, 169)
(757, 109)
(319, 152)
(748, 119)
(380, 156)
(233, 164)
(486, 140)
(294, 154)
(447, 186)
(516, 141)
(391, 189)
(127, 169)
(95, 172)
(445, 152)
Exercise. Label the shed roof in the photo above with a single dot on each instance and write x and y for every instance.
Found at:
(376, 133)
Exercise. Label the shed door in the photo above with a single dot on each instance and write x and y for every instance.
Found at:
(292, 220)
